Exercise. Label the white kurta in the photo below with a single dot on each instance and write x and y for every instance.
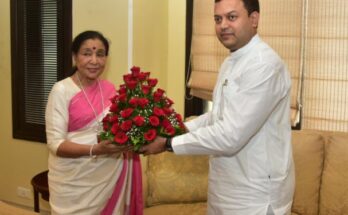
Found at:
(77, 185)
(247, 134)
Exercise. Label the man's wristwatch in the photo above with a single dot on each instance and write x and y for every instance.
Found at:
(168, 145)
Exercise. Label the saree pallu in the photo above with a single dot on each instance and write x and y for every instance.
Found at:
(108, 184)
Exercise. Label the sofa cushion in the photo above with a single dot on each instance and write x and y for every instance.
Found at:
(187, 174)
(308, 153)
(334, 189)
(178, 209)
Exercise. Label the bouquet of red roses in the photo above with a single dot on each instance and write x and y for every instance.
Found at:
(139, 113)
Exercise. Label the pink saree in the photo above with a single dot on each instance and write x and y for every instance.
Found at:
(128, 187)
(80, 111)
(135, 206)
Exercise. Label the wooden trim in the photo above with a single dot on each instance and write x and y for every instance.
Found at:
(193, 105)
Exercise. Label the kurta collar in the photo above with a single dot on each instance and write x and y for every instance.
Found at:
(245, 49)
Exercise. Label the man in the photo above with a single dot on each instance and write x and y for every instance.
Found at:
(248, 132)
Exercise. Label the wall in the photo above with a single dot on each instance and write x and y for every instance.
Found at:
(150, 38)
(176, 53)
(110, 17)
(19, 160)
(159, 44)
(159, 38)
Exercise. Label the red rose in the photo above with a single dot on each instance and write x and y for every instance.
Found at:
(114, 98)
(170, 130)
(167, 110)
(113, 119)
(127, 78)
(115, 128)
(133, 101)
(105, 126)
(126, 113)
(146, 89)
(166, 123)
(158, 111)
(131, 84)
(156, 98)
(169, 102)
(154, 120)
(106, 118)
(120, 137)
(126, 125)
(157, 95)
(135, 69)
(178, 117)
(122, 97)
(114, 107)
(138, 120)
(130, 80)
(159, 92)
(142, 76)
(123, 89)
(152, 82)
(135, 75)
(106, 122)
(150, 135)
(143, 102)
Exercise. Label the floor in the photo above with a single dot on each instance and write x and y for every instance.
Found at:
(42, 212)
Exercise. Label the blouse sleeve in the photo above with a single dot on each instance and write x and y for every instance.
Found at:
(56, 118)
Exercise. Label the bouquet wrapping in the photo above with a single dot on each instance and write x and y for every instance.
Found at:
(139, 112)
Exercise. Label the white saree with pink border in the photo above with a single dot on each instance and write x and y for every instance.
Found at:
(108, 184)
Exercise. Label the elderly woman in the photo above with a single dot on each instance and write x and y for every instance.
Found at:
(87, 176)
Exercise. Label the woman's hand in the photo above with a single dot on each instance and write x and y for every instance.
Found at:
(106, 147)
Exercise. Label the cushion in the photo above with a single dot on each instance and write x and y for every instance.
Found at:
(334, 190)
(178, 209)
(176, 179)
(308, 153)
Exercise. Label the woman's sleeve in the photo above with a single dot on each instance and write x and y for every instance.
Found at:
(56, 118)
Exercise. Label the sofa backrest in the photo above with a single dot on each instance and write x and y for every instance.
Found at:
(321, 165)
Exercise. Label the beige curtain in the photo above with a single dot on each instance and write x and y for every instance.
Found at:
(325, 97)
(280, 26)
(312, 38)
(207, 53)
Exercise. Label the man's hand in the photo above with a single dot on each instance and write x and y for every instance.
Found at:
(157, 146)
